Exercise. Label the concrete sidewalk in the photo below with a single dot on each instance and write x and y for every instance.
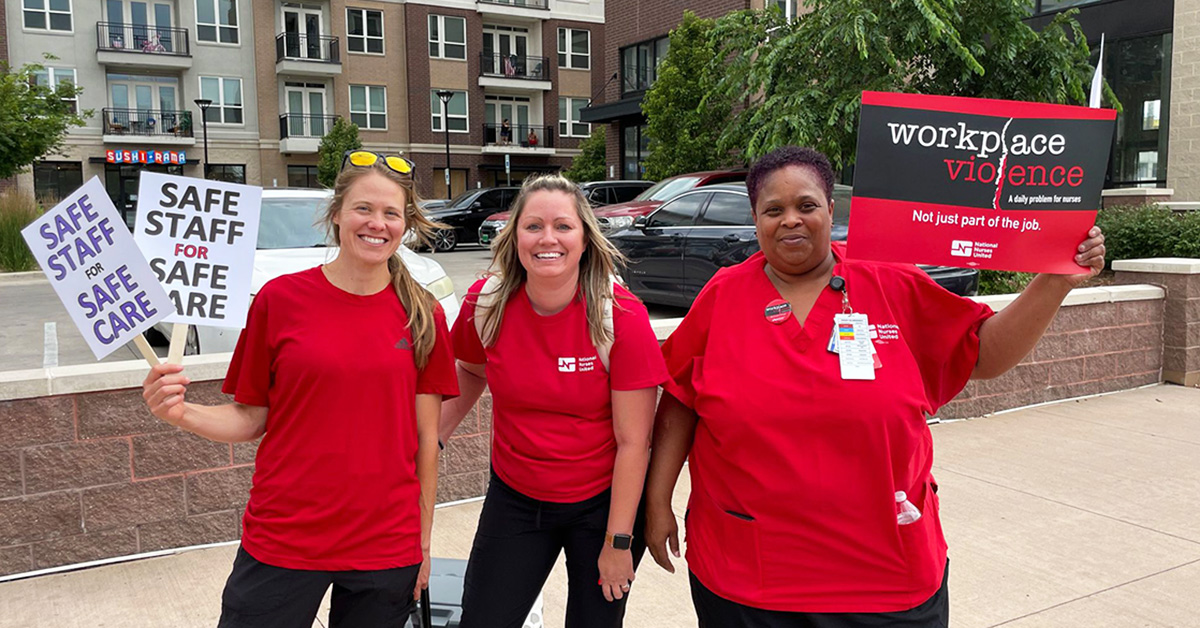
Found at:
(1081, 513)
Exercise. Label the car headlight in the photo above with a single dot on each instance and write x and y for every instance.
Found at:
(441, 288)
(497, 224)
(620, 222)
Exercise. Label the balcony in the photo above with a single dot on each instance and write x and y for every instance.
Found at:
(142, 47)
(300, 54)
(531, 9)
(513, 72)
(302, 133)
(522, 139)
(148, 126)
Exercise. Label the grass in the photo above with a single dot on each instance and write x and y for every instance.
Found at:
(16, 212)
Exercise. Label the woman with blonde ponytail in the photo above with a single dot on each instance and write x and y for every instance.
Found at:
(341, 370)
(573, 368)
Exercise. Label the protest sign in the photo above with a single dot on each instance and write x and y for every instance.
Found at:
(972, 182)
(99, 274)
(199, 237)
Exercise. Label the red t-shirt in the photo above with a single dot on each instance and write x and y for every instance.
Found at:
(335, 479)
(552, 432)
(794, 469)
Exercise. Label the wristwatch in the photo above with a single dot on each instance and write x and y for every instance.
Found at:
(618, 541)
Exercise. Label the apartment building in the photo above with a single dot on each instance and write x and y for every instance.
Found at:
(1149, 54)
(512, 76)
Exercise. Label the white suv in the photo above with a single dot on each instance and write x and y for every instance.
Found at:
(289, 241)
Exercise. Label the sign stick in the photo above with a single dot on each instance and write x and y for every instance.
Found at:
(144, 348)
(179, 334)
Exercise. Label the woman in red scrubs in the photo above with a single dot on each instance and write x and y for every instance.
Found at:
(812, 500)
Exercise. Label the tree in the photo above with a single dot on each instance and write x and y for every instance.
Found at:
(342, 136)
(682, 124)
(34, 119)
(801, 80)
(588, 165)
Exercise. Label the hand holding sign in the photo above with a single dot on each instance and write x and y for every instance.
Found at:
(103, 280)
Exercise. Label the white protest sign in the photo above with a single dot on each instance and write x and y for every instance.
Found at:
(91, 260)
(199, 237)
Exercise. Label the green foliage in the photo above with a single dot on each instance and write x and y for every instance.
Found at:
(588, 165)
(801, 81)
(1148, 231)
(342, 136)
(34, 119)
(1003, 281)
(16, 212)
(682, 126)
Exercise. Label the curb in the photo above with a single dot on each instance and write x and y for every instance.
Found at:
(13, 279)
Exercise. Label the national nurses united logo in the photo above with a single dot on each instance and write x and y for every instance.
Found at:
(566, 365)
(577, 365)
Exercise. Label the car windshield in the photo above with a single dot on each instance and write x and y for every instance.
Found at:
(668, 189)
(290, 223)
(460, 201)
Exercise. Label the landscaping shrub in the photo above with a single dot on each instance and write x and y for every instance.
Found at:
(16, 211)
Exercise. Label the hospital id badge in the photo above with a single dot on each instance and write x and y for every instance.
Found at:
(854, 346)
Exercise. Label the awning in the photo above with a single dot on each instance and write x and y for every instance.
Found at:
(626, 108)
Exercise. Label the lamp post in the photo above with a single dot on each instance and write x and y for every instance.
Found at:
(445, 95)
(204, 104)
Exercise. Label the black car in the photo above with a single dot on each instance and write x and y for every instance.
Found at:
(466, 212)
(601, 193)
(674, 251)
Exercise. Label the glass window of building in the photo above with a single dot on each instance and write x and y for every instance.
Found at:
(229, 173)
(302, 177)
(368, 107)
(226, 97)
(455, 116)
(639, 64)
(447, 37)
(52, 77)
(570, 111)
(1139, 72)
(54, 180)
(48, 15)
(574, 48)
(217, 21)
(364, 31)
(635, 148)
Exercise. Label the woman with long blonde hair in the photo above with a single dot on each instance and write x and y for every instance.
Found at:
(341, 370)
(573, 368)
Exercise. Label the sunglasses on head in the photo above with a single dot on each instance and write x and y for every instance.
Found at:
(366, 159)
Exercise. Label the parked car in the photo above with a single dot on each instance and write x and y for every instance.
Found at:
(622, 215)
(674, 251)
(598, 194)
(433, 203)
(467, 212)
(290, 241)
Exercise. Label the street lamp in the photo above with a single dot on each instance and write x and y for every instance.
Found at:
(446, 95)
(204, 104)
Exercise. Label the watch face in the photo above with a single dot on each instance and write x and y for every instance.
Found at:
(622, 541)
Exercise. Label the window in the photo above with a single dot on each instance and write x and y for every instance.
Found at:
(455, 116)
(569, 111)
(635, 149)
(54, 180)
(639, 64)
(789, 8)
(368, 106)
(302, 177)
(574, 47)
(48, 15)
(53, 77)
(229, 173)
(679, 212)
(447, 37)
(1053, 6)
(216, 20)
(727, 209)
(226, 96)
(364, 31)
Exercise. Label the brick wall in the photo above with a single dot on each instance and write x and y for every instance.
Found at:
(1183, 159)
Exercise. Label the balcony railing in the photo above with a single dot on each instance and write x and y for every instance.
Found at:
(524, 4)
(522, 135)
(512, 66)
(162, 40)
(152, 122)
(304, 125)
(301, 47)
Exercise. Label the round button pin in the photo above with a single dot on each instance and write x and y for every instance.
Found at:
(778, 311)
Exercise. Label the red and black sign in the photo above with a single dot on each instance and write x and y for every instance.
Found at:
(973, 182)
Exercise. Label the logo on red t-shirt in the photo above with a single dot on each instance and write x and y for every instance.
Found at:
(566, 365)
(577, 365)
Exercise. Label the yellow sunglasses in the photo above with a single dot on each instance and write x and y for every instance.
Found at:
(366, 159)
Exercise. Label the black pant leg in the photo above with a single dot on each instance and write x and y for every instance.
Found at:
(258, 595)
(586, 606)
(370, 599)
(511, 558)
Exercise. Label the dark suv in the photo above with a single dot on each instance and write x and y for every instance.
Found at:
(466, 212)
(598, 194)
(674, 251)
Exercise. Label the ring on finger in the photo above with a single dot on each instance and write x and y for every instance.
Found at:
(625, 587)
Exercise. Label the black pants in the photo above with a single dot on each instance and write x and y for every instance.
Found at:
(516, 544)
(258, 595)
(715, 611)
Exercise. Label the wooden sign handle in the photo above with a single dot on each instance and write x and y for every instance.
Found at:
(179, 334)
(144, 348)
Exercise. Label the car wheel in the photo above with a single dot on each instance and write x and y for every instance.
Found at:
(192, 345)
(445, 240)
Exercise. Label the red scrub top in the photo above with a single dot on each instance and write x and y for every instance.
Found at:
(794, 469)
(552, 431)
(335, 478)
